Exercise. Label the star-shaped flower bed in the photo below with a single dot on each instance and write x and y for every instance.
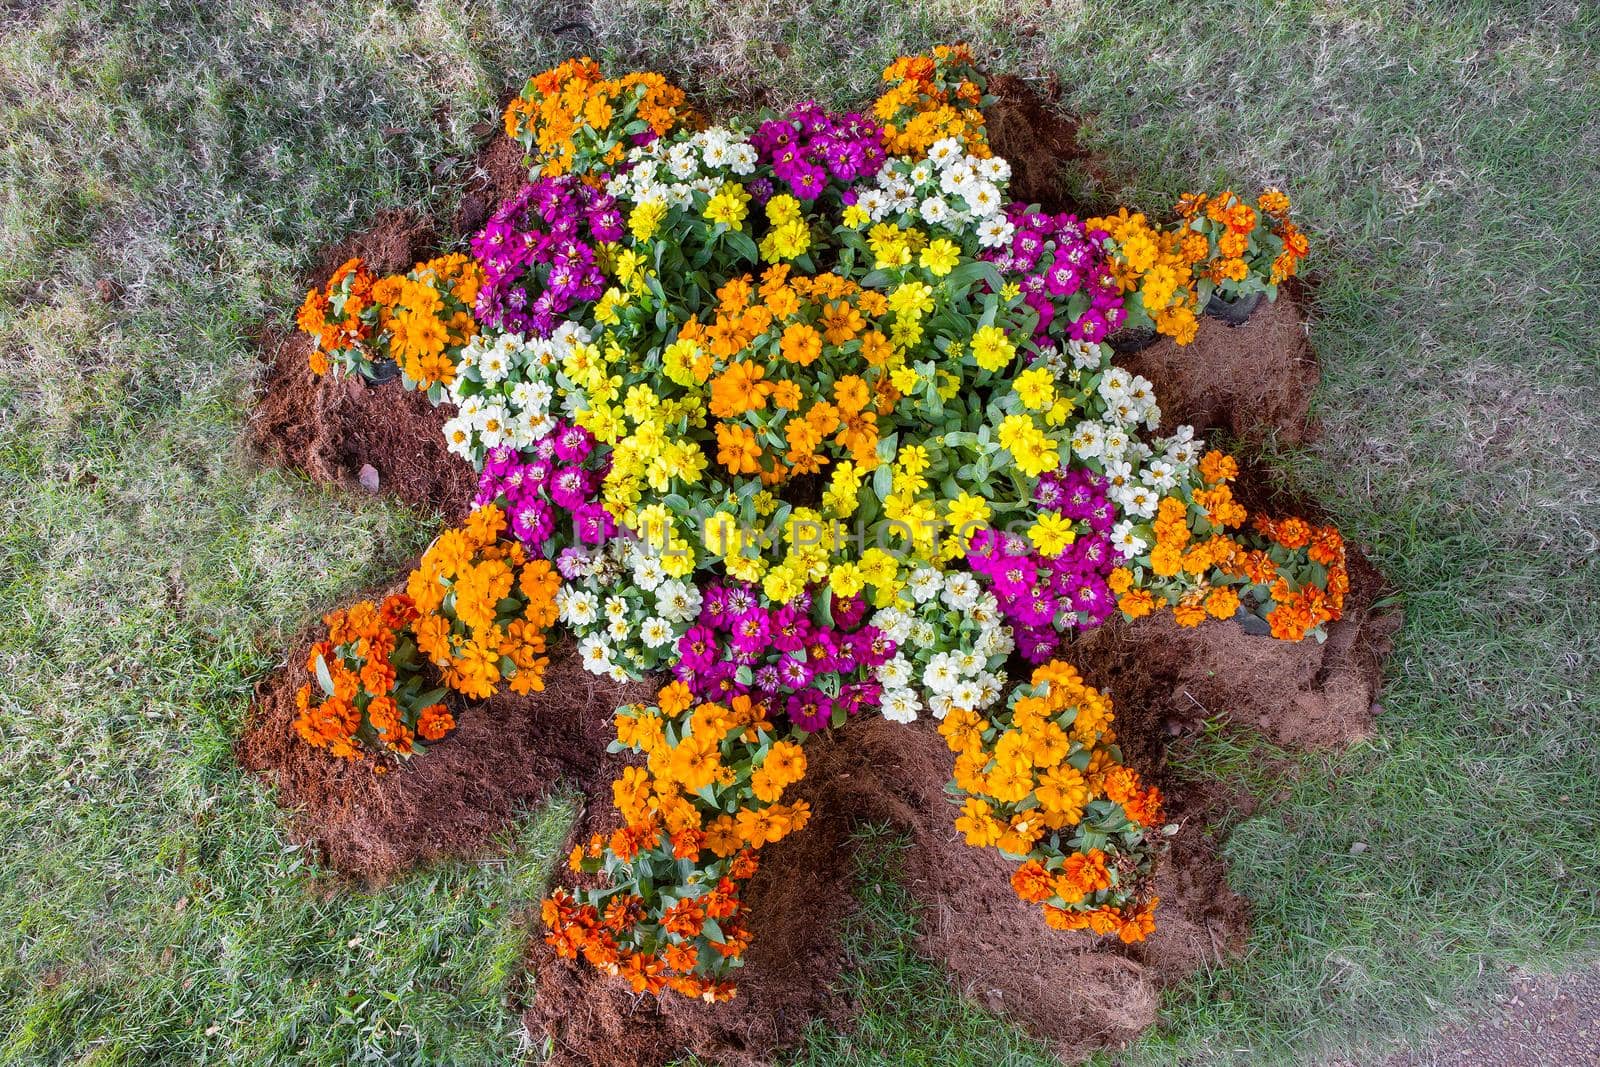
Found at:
(805, 477)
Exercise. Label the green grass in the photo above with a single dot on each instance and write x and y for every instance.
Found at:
(1443, 158)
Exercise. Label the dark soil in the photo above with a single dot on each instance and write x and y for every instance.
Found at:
(506, 755)
(1077, 992)
(497, 173)
(1041, 144)
(395, 240)
(331, 427)
(1255, 381)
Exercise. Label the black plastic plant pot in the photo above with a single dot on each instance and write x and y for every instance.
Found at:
(383, 370)
(1132, 339)
(1251, 623)
(1233, 312)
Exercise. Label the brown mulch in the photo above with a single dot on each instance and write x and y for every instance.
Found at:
(505, 756)
(1041, 144)
(332, 427)
(1255, 381)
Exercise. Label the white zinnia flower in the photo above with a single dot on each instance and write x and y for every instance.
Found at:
(1088, 439)
(595, 653)
(961, 591)
(941, 674)
(647, 572)
(655, 631)
(1140, 500)
(983, 198)
(934, 210)
(945, 151)
(678, 601)
(896, 673)
(1126, 541)
(576, 607)
(995, 231)
(924, 584)
(900, 705)
(458, 437)
(994, 169)
(966, 695)
(1086, 355)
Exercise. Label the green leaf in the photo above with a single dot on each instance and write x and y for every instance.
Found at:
(324, 679)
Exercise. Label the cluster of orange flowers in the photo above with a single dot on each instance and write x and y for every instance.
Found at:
(1296, 574)
(370, 676)
(336, 316)
(1301, 606)
(421, 319)
(711, 793)
(483, 607)
(931, 97)
(426, 316)
(574, 119)
(1241, 241)
(1044, 772)
(802, 339)
(1156, 266)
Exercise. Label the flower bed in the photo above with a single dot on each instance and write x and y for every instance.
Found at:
(801, 412)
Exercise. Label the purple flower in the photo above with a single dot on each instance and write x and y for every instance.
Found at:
(538, 254)
(573, 444)
(794, 672)
(810, 710)
(697, 649)
(751, 629)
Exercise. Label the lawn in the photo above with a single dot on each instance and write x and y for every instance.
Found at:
(168, 168)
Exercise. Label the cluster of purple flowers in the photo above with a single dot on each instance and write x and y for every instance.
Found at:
(1042, 596)
(562, 479)
(1062, 271)
(538, 254)
(809, 145)
(782, 657)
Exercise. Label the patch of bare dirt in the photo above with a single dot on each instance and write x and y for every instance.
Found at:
(332, 427)
(506, 755)
(1254, 380)
(1300, 694)
(497, 173)
(395, 240)
(1041, 144)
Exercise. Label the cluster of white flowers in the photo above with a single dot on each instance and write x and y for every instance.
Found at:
(1138, 472)
(950, 189)
(625, 611)
(952, 644)
(503, 391)
(671, 172)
